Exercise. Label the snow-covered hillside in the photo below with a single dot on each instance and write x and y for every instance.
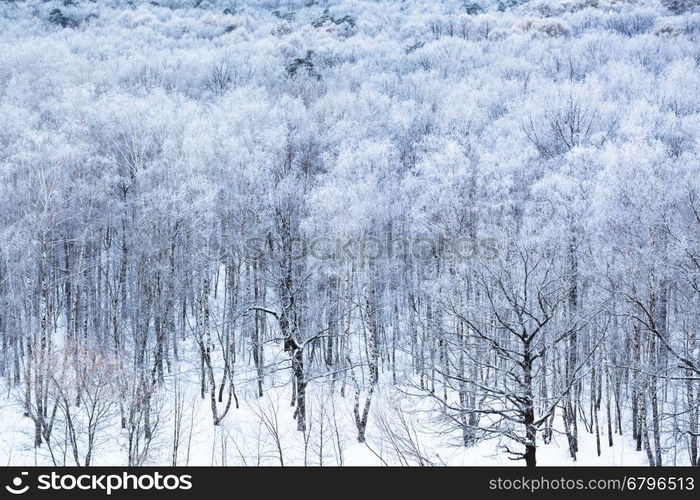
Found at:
(345, 232)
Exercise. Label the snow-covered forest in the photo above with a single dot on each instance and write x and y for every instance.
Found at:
(343, 232)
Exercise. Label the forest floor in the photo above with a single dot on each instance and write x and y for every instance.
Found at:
(403, 429)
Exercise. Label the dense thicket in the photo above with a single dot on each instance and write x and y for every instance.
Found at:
(494, 206)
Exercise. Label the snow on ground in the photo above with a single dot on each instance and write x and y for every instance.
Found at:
(262, 431)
